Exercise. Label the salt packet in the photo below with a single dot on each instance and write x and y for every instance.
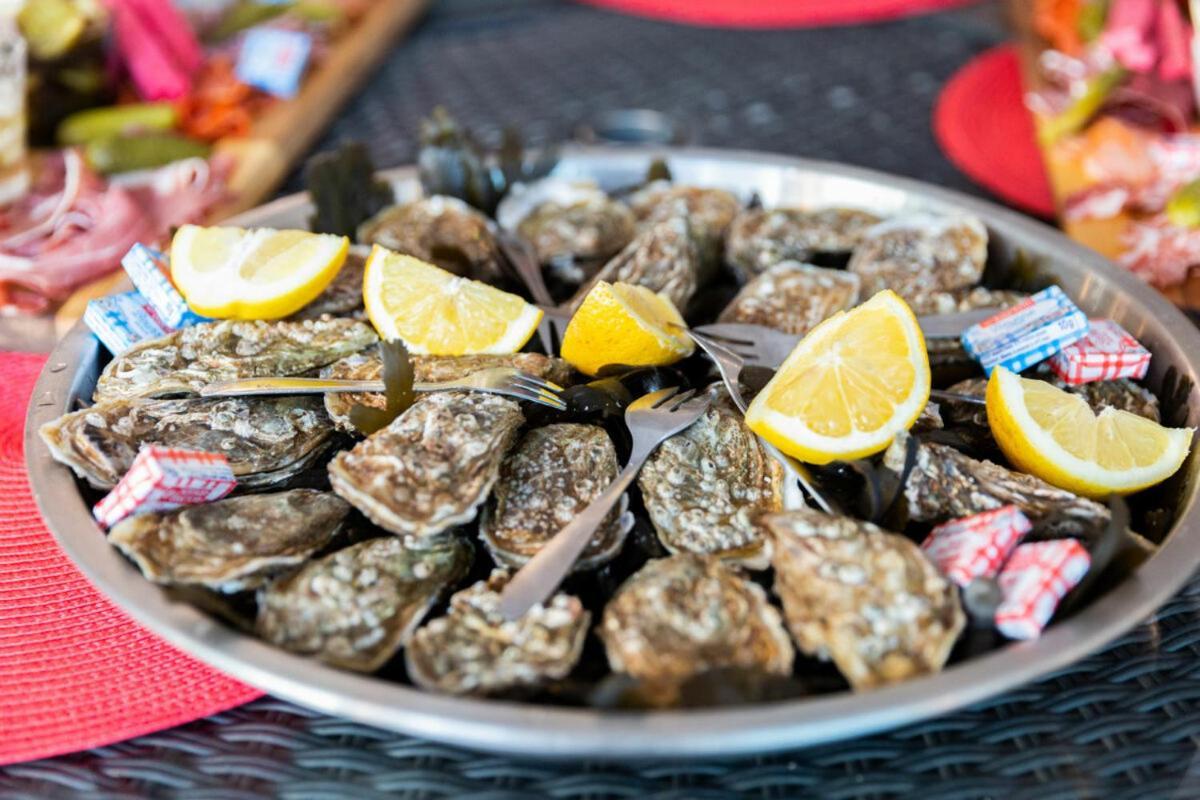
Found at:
(1035, 579)
(976, 546)
(163, 478)
(1107, 353)
(1028, 333)
(120, 321)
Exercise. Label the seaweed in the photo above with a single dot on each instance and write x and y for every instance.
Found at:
(344, 190)
(398, 383)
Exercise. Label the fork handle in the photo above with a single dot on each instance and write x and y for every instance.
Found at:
(542, 574)
(273, 386)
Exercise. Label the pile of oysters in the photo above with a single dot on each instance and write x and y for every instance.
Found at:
(386, 553)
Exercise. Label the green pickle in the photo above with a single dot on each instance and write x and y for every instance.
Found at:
(1075, 116)
(125, 154)
(113, 121)
(1183, 209)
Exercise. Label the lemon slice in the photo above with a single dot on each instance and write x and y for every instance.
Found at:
(1056, 436)
(435, 312)
(233, 273)
(620, 323)
(851, 384)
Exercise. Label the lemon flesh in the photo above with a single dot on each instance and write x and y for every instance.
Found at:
(624, 324)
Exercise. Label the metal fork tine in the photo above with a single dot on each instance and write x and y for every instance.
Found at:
(534, 382)
(662, 401)
(533, 397)
(679, 400)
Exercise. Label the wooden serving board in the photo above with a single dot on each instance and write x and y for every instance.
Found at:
(282, 134)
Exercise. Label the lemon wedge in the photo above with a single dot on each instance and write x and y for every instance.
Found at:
(234, 273)
(435, 312)
(620, 323)
(1056, 436)
(851, 384)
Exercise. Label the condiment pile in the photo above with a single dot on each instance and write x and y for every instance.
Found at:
(376, 529)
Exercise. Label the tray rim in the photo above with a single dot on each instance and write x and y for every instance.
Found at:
(539, 731)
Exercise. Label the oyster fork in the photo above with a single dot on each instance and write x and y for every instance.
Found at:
(651, 419)
(524, 262)
(507, 381)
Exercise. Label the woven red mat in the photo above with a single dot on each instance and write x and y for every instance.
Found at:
(777, 13)
(75, 672)
(983, 126)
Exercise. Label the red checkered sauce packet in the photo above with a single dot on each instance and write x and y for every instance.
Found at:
(1035, 579)
(976, 546)
(1106, 353)
(164, 478)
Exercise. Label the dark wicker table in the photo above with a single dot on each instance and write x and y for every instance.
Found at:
(1124, 723)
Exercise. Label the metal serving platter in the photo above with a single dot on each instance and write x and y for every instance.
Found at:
(548, 732)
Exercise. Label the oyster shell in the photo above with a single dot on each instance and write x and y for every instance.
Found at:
(864, 598)
(367, 366)
(703, 488)
(475, 650)
(708, 211)
(919, 254)
(232, 544)
(549, 477)
(760, 238)
(944, 484)
(267, 440)
(344, 296)
(686, 614)
(356, 607)
(184, 362)
(432, 467)
(1122, 394)
(793, 297)
(663, 258)
(965, 300)
(441, 230)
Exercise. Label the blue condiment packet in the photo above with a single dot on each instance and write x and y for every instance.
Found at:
(120, 321)
(273, 60)
(1025, 334)
(146, 268)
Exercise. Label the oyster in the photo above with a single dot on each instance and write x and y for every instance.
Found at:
(708, 212)
(919, 254)
(760, 238)
(368, 367)
(552, 475)
(686, 614)
(573, 227)
(191, 358)
(976, 297)
(441, 230)
(356, 607)
(1122, 394)
(942, 484)
(793, 297)
(344, 296)
(663, 258)
(475, 650)
(703, 488)
(232, 544)
(864, 598)
(267, 440)
(432, 467)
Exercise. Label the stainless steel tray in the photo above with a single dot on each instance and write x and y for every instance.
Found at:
(549, 732)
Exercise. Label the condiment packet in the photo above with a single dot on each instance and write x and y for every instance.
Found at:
(163, 478)
(147, 268)
(273, 60)
(120, 321)
(1107, 352)
(1028, 333)
(1035, 579)
(976, 546)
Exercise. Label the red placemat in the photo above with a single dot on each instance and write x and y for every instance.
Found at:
(75, 672)
(778, 13)
(983, 126)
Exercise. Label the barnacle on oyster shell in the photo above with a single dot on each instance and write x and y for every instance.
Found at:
(267, 440)
(552, 474)
(231, 544)
(432, 467)
(864, 598)
(918, 254)
(760, 238)
(356, 607)
(704, 487)
(184, 362)
(474, 649)
(793, 297)
(441, 230)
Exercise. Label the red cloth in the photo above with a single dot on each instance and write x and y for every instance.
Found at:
(983, 126)
(75, 672)
(777, 13)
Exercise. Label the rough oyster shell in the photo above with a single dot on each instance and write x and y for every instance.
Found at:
(919, 254)
(975, 297)
(267, 440)
(475, 650)
(232, 544)
(1122, 394)
(760, 238)
(703, 488)
(867, 599)
(663, 258)
(945, 484)
(344, 296)
(549, 477)
(708, 211)
(184, 362)
(432, 467)
(441, 230)
(686, 614)
(355, 608)
(793, 297)
(367, 366)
